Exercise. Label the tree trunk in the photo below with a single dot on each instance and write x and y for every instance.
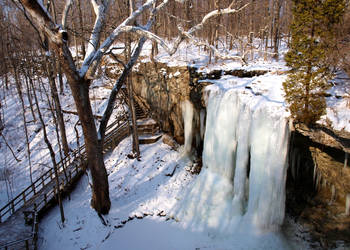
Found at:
(60, 77)
(20, 94)
(135, 136)
(80, 90)
(278, 5)
(29, 97)
(81, 24)
(50, 74)
(53, 159)
(100, 189)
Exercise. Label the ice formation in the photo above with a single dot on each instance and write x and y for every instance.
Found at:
(242, 182)
(187, 113)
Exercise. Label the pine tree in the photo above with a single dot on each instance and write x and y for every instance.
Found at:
(313, 39)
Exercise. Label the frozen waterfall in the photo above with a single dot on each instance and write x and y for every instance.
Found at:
(242, 182)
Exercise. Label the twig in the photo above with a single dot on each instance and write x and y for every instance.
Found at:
(18, 160)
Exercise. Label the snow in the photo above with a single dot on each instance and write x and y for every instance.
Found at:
(220, 208)
(137, 188)
(199, 212)
(18, 176)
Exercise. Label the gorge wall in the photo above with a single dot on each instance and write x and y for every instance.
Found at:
(318, 184)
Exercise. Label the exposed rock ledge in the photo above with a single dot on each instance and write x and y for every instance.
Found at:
(326, 136)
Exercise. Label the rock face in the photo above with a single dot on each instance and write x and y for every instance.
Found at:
(317, 187)
(162, 89)
(317, 183)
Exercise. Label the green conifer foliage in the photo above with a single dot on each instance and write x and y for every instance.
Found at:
(313, 38)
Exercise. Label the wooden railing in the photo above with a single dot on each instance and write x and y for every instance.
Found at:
(113, 137)
(28, 242)
(35, 198)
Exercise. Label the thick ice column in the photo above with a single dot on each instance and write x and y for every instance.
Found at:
(242, 160)
(244, 166)
(269, 146)
(220, 134)
(187, 115)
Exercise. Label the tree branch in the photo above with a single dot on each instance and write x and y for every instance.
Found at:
(100, 10)
(119, 83)
(13, 154)
(117, 86)
(93, 59)
(67, 7)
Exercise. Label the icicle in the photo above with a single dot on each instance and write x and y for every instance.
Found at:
(333, 194)
(347, 205)
(315, 174)
(292, 163)
(346, 160)
(202, 123)
(187, 114)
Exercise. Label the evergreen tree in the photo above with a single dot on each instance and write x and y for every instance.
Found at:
(313, 39)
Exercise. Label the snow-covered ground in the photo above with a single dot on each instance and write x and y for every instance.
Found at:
(15, 176)
(143, 188)
(139, 188)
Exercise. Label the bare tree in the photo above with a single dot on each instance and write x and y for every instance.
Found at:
(79, 79)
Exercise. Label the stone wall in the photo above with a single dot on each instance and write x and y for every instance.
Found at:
(162, 89)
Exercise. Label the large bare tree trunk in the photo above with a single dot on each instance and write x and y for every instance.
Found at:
(100, 189)
(79, 85)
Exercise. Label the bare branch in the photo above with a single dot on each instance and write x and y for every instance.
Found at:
(44, 20)
(171, 50)
(92, 60)
(127, 68)
(215, 13)
(215, 51)
(119, 83)
(67, 7)
(13, 154)
(100, 10)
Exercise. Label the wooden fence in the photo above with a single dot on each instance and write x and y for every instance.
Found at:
(72, 165)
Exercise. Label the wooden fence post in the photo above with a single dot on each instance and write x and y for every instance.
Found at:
(24, 197)
(12, 207)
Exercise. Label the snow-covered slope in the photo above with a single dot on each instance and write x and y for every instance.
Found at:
(141, 189)
(15, 176)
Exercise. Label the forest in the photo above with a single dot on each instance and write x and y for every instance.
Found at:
(68, 71)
